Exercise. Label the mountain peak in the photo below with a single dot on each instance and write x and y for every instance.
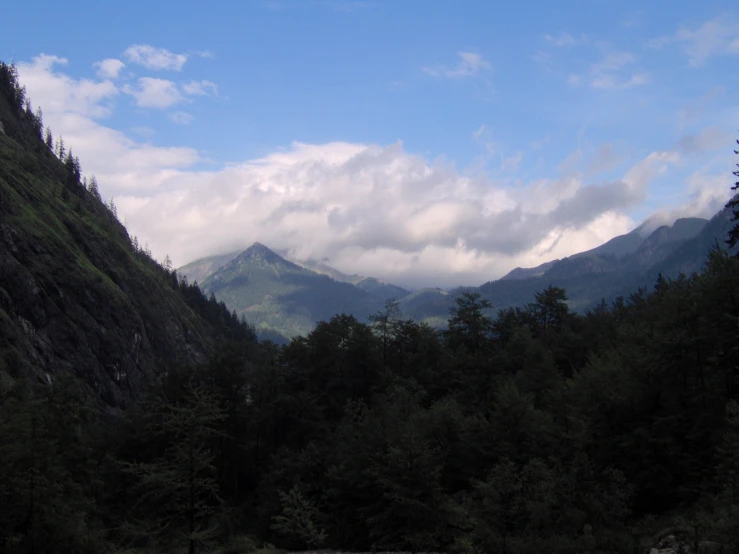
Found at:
(258, 253)
(258, 249)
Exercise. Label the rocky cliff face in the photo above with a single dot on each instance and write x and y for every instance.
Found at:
(75, 296)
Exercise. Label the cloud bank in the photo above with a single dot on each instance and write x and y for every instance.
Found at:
(371, 209)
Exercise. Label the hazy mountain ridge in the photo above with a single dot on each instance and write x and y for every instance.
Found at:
(283, 298)
(600, 273)
(280, 296)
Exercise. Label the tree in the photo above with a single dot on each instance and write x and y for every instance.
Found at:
(734, 205)
(49, 139)
(296, 523)
(46, 469)
(93, 187)
(167, 264)
(177, 490)
(111, 207)
(468, 325)
(74, 170)
(550, 309)
(382, 323)
(411, 511)
(60, 150)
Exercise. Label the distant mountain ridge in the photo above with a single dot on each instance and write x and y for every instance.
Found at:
(623, 245)
(287, 298)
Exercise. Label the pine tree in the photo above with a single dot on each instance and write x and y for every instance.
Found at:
(49, 139)
(112, 208)
(468, 325)
(734, 205)
(38, 122)
(177, 491)
(382, 323)
(550, 309)
(296, 523)
(94, 187)
(60, 150)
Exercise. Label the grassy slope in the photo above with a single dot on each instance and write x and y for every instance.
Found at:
(277, 295)
(75, 296)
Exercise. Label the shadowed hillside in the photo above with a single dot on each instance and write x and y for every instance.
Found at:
(76, 295)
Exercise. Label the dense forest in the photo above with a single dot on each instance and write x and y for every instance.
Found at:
(538, 430)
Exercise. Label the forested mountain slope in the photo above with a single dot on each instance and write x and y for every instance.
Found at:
(76, 295)
(280, 296)
(617, 268)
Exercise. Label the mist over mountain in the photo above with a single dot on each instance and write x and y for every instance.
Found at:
(287, 298)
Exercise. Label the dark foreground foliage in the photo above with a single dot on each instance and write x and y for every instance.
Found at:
(539, 431)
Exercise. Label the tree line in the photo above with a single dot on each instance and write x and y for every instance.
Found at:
(539, 430)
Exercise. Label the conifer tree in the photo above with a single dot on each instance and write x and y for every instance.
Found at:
(468, 325)
(733, 204)
(93, 187)
(382, 323)
(60, 150)
(177, 492)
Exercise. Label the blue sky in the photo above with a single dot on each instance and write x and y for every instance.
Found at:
(521, 105)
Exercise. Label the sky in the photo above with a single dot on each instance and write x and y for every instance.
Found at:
(424, 142)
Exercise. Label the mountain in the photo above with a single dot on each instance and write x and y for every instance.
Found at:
(613, 269)
(430, 305)
(527, 272)
(691, 255)
(647, 247)
(325, 269)
(76, 296)
(284, 322)
(381, 289)
(285, 298)
(201, 268)
(279, 296)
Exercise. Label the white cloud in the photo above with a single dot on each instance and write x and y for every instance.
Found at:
(109, 68)
(560, 40)
(542, 58)
(511, 163)
(200, 88)
(381, 210)
(372, 209)
(719, 36)
(182, 118)
(470, 64)
(608, 74)
(154, 93)
(83, 97)
(154, 58)
(612, 82)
